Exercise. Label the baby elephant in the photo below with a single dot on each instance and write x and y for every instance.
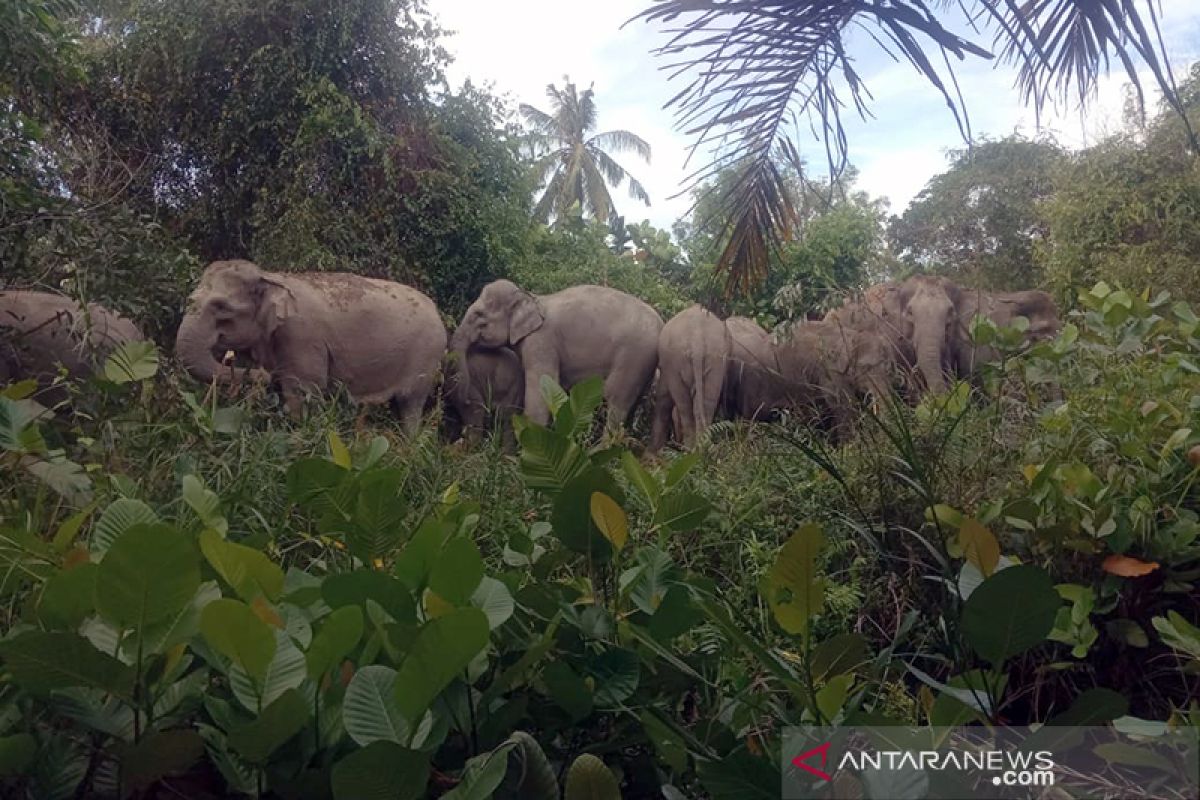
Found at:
(693, 357)
(496, 392)
(382, 339)
(40, 331)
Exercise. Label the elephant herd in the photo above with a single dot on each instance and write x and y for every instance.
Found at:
(385, 342)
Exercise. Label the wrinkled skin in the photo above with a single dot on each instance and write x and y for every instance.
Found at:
(693, 356)
(568, 336)
(384, 341)
(1002, 308)
(40, 331)
(752, 378)
(827, 366)
(920, 319)
(497, 391)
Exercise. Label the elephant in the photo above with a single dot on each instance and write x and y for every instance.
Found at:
(383, 340)
(1002, 308)
(919, 318)
(567, 336)
(825, 366)
(752, 378)
(40, 330)
(497, 390)
(693, 357)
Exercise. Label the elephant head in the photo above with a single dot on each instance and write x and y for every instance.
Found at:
(236, 306)
(503, 315)
(928, 320)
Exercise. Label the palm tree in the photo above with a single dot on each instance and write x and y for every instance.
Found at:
(574, 164)
(756, 66)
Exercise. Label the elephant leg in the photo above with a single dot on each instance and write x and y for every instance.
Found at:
(660, 428)
(535, 405)
(623, 386)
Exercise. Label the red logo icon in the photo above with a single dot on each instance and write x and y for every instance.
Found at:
(823, 752)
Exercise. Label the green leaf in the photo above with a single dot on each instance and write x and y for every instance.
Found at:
(357, 587)
(18, 428)
(681, 511)
(278, 722)
(381, 771)
(69, 529)
(996, 626)
(16, 754)
(441, 652)
(671, 749)
(457, 573)
(549, 460)
(1096, 706)
(286, 670)
(538, 780)
(553, 394)
(637, 475)
(568, 690)
(69, 596)
(493, 598)
(159, 754)
(120, 516)
(571, 516)
(794, 592)
(378, 518)
(40, 662)
(589, 779)
(161, 636)
(1127, 631)
(740, 776)
(1178, 633)
(482, 775)
(64, 477)
(1133, 756)
(615, 672)
(339, 634)
(838, 655)
(418, 557)
(131, 361)
(248, 571)
(832, 696)
(321, 487)
(236, 632)
(205, 503)
(979, 546)
(338, 453)
(148, 574)
(680, 468)
(609, 519)
(371, 712)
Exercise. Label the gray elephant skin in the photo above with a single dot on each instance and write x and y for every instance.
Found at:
(578, 333)
(693, 358)
(40, 331)
(752, 376)
(382, 340)
(1002, 308)
(495, 394)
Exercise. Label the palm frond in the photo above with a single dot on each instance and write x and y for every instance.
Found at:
(541, 169)
(587, 111)
(597, 200)
(542, 123)
(622, 141)
(615, 174)
(551, 197)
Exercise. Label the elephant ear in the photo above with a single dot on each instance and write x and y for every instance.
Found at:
(277, 303)
(526, 317)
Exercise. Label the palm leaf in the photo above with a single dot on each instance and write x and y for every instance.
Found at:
(597, 200)
(615, 174)
(621, 142)
(542, 123)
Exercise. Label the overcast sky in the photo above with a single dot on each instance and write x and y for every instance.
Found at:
(518, 46)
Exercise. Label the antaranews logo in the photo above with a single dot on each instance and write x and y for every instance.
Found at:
(976, 762)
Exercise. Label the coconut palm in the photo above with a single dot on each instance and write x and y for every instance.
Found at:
(755, 66)
(574, 164)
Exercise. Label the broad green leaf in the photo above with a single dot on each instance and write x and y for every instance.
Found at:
(419, 556)
(355, 588)
(549, 460)
(339, 634)
(740, 776)
(568, 690)
(338, 452)
(671, 749)
(381, 771)
(321, 487)
(1132, 755)
(483, 774)
(609, 519)
(69, 596)
(63, 476)
(205, 503)
(680, 511)
(832, 696)
(1127, 631)
(286, 670)
(18, 428)
(615, 673)
(120, 516)
(378, 515)
(571, 516)
(589, 779)
(69, 529)
(552, 393)
(1095, 706)
(39, 662)
(637, 475)
(838, 655)
(148, 574)
(493, 598)
(979, 546)
(944, 515)
(794, 591)
(371, 712)
(441, 652)
(131, 361)
(250, 572)
(281, 720)
(158, 755)
(457, 572)
(538, 780)
(236, 632)
(1178, 633)
(174, 630)
(1010, 612)
(16, 754)
(680, 468)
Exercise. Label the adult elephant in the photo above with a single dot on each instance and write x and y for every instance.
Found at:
(919, 318)
(1002, 308)
(496, 392)
(752, 378)
(567, 336)
(693, 356)
(40, 331)
(384, 341)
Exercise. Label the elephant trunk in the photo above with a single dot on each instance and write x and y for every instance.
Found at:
(929, 348)
(194, 344)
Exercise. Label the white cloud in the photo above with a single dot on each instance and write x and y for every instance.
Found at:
(519, 46)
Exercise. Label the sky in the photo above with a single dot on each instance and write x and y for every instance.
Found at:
(519, 46)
